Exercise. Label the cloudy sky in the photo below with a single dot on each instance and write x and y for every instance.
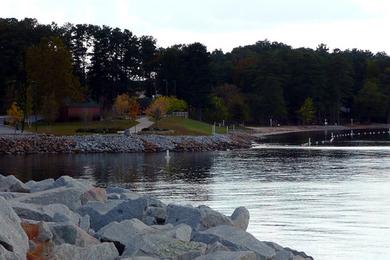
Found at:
(226, 24)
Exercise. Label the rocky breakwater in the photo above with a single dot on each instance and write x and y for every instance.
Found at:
(70, 219)
(29, 144)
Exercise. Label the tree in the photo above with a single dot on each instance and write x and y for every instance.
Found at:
(49, 65)
(216, 110)
(306, 112)
(121, 104)
(157, 109)
(370, 102)
(15, 114)
(134, 108)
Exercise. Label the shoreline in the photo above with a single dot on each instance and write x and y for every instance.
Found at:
(70, 218)
(39, 144)
(269, 131)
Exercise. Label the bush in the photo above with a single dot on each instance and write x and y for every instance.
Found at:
(105, 130)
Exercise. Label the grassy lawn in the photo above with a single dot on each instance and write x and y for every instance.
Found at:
(69, 128)
(185, 126)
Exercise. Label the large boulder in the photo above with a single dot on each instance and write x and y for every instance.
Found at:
(102, 214)
(35, 186)
(48, 213)
(67, 181)
(69, 197)
(11, 184)
(240, 218)
(165, 247)
(236, 240)
(134, 238)
(94, 194)
(71, 234)
(198, 218)
(103, 251)
(285, 253)
(224, 255)
(13, 239)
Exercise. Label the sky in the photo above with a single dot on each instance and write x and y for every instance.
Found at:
(225, 24)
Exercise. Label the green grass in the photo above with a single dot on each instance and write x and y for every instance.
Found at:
(69, 128)
(185, 126)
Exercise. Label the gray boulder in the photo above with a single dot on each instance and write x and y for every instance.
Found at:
(134, 238)
(7, 255)
(199, 218)
(11, 195)
(236, 240)
(13, 239)
(163, 246)
(224, 255)
(216, 246)
(240, 218)
(71, 234)
(69, 197)
(67, 181)
(102, 214)
(285, 253)
(48, 213)
(35, 186)
(11, 184)
(103, 251)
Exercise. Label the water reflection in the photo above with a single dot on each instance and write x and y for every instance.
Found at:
(333, 203)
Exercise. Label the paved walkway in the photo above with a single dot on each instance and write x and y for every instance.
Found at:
(7, 130)
(144, 122)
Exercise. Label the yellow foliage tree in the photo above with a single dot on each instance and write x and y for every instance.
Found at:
(121, 104)
(157, 109)
(15, 114)
(133, 108)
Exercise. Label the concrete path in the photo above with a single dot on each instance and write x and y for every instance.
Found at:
(144, 122)
(7, 130)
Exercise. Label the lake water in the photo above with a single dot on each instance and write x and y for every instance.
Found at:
(333, 202)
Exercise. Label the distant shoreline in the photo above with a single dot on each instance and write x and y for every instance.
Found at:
(268, 131)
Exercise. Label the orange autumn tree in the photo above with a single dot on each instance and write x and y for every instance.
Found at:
(157, 109)
(15, 114)
(133, 108)
(121, 104)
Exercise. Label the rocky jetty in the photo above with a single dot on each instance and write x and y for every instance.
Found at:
(71, 219)
(29, 144)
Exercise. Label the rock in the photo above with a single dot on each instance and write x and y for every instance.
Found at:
(11, 195)
(11, 184)
(163, 246)
(157, 215)
(35, 186)
(240, 218)
(133, 237)
(113, 196)
(199, 218)
(85, 223)
(48, 213)
(285, 253)
(71, 234)
(67, 181)
(224, 255)
(69, 197)
(13, 239)
(216, 246)
(181, 232)
(140, 258)
(103, 251)
(7, 255)
(94, 194)
(117, 210)
(236, 240)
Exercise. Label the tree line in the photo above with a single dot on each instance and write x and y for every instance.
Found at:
(42, 66)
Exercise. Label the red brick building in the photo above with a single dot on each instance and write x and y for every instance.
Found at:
(80, 111)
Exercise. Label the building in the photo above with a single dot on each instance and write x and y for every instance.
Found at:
(86, 111)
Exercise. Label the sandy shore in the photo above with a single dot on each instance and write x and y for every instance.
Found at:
(265, 131)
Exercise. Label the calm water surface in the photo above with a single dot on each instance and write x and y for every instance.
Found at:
(331, 202)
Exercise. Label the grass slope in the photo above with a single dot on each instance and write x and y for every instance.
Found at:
(185, 126)
(69, 128)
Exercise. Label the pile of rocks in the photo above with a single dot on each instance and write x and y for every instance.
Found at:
(28, 144)
(70, 219)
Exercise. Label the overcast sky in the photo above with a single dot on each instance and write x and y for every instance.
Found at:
(226, 24)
